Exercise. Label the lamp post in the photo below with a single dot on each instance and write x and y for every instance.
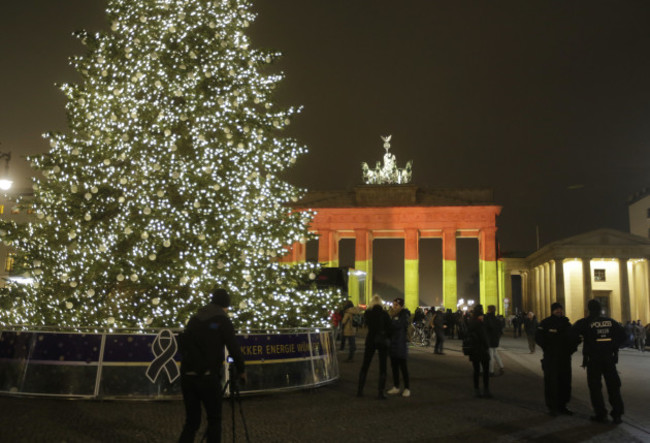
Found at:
(5, 181)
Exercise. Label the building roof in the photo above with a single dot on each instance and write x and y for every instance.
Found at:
(600, 243)
(397, 195)
(637, 196)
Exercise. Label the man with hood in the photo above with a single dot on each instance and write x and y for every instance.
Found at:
(601, 337)
(202, 349)
(553, 335)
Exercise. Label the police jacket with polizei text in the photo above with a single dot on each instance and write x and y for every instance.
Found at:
(203, 340)
(601, 337)
(553, 335)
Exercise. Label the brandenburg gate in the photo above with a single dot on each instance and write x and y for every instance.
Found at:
(389, 207)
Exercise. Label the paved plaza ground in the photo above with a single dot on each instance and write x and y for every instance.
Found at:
(442, 408)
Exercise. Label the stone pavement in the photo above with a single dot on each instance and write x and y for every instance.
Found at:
(441, 408)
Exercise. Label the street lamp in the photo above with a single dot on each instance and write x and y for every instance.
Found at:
(5, 181)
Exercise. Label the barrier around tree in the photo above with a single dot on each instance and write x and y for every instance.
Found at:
(116, 364)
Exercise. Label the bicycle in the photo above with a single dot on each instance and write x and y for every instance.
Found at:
(421, 336)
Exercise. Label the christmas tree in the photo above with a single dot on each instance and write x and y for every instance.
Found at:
(167, 182)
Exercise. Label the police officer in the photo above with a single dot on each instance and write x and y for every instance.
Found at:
(202, 349)
(601, 336)
(553, 335)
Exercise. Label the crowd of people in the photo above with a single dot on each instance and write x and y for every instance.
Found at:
(636, 335)
(389, 330)
(210, 331)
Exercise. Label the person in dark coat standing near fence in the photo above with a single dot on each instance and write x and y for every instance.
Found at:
(378, 339)
(202, 351)
(400, 319)
(601, 338)
(554, 337)
(480, 351)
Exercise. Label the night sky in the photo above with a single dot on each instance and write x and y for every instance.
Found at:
(546, 102)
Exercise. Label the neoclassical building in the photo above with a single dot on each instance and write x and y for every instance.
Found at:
(608, 265)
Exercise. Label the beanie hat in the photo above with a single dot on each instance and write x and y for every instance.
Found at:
(220, 297)
(594, 306)
(555, 306)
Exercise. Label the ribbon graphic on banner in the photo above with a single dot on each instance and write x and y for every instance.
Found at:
(164, 348)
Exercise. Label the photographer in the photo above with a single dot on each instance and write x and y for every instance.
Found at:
(202, 349)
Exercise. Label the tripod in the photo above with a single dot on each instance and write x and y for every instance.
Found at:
(233, 383)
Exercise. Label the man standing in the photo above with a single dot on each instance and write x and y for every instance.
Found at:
(439, 329)
(479, 353)
(554, 337)
(520, 323)
(639, 336)
(349, 328)
(601, 336)
(494, 330)
(202, 349)
(530, 327)
(515, 324)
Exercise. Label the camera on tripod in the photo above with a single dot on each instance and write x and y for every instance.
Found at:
(233, 375)
(233, 384)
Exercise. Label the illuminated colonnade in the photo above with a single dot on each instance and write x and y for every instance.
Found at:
(607, 265)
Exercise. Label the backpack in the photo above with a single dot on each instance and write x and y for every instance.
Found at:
(468, 344)
(357, 320)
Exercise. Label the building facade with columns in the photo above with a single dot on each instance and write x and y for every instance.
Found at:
(371, 212)
(608, 265)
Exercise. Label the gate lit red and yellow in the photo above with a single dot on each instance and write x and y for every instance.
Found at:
(411, 223)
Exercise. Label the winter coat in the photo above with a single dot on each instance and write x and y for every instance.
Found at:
(530, 325)
(554, 337)
(494, 329)
(379, 327)
(439, 322)
(399, 327)
(203, 340)
(639, 331)
(480, 344)
(348, 328)
(336, 319)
